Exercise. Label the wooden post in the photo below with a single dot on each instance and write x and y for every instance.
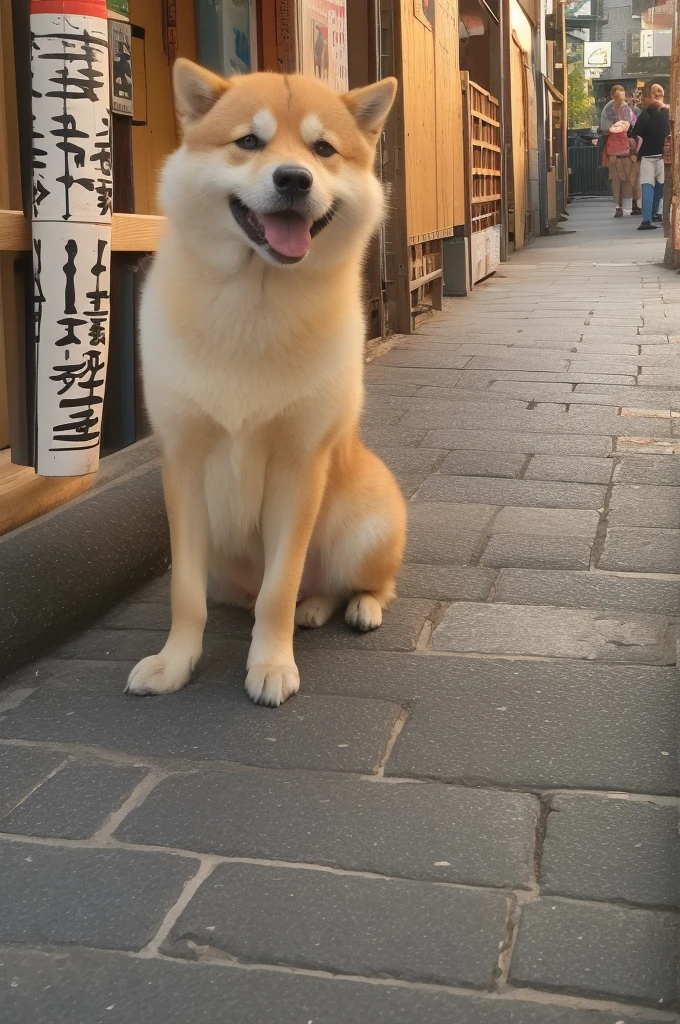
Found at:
(673, 244)
(72, 190)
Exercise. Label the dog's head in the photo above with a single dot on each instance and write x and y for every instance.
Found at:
(276, 164)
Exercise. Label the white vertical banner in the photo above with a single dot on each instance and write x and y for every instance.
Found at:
(72, 195)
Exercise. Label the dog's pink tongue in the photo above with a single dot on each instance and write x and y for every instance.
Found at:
(287, 233)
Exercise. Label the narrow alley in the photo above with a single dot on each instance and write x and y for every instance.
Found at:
(467, 816)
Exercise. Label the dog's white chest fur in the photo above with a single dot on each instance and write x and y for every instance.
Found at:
(233, 354)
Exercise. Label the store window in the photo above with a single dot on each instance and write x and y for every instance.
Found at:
(224, 35)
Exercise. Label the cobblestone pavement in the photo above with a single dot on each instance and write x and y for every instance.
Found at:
(467, 816)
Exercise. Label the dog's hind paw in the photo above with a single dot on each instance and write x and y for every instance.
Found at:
(157, 674)
(272, 684)
(315, 611)
(364, 613)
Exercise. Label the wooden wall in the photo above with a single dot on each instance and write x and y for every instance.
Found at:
(435, 196)
(154, 130)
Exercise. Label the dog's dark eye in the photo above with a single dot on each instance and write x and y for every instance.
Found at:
(248, 142)
(323, 148)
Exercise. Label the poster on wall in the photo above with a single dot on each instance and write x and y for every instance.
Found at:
(120, 54)
(424, 11)
(322, 33)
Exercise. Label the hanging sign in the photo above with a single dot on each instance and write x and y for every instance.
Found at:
(597, 55)
(72, 192)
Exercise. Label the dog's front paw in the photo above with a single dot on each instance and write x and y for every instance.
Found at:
(158, 674)
(272, 684)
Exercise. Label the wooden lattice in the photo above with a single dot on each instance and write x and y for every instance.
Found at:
(484, 142)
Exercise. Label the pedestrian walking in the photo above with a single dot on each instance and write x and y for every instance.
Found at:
(617, 118)
(652, 128)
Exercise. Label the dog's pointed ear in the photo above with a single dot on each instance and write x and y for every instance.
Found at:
(370, 105)
(197, 90)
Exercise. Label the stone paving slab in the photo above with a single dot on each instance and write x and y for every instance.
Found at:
(411, 465)
(514, 441)
(331, 732)
(23, 769)
(631, 549)
(445, 534)
(645, 505)
(48, 987)
(379, 437)
(377, 388)
(659, 470)
(424, 832)
(233, 623)
(380, 373)
(383, 415)
(536, 631)
(490, 347)
(442, 357)
(605, 950)
(652, 377)
(545, 724)
(73, 803)
(652, 398)
(329, 922)
(546, 522)
(485, 378)
(594, 590)
(545, 419)
(109, 899)
(570, 469)
(606, 848)
(129, 645)
(476, 463)
(445, 583)
(537, 552)
(530, 493)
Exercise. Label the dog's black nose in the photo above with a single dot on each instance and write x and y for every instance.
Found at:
(292, 181)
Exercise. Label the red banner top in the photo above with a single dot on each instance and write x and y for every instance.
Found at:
(88, 8)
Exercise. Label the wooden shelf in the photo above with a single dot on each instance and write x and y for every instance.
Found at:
(485, 199)
(15, 231)
(136, 232)
(130, 232)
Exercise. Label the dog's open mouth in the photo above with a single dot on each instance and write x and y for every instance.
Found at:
(287, 234)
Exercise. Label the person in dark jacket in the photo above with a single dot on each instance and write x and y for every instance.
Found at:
(652, 127)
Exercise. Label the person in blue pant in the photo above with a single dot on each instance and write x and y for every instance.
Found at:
(652, 127)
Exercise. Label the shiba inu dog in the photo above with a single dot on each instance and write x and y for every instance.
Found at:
(252, 346)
